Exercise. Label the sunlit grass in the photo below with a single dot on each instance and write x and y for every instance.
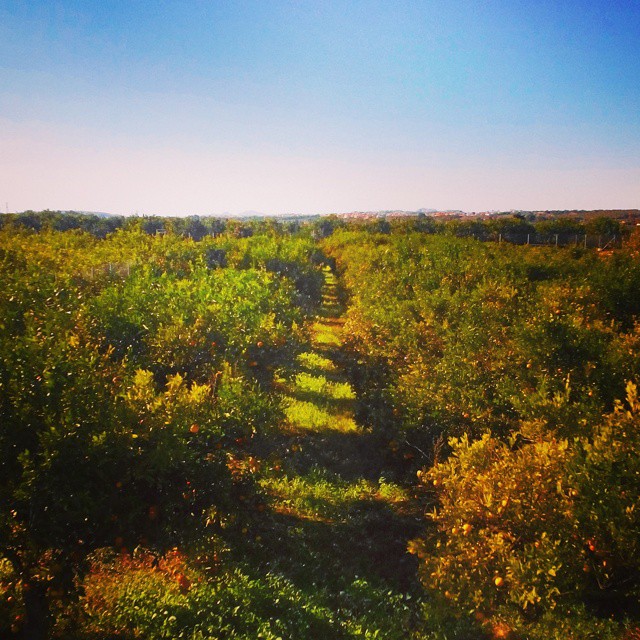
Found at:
(321, 495)
(315, 362)
(325, 335)
(323, 387)
(303, 414)
(314, 401)
(306, 415)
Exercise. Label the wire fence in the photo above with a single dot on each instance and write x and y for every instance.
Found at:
(116, 270)
(586, 241)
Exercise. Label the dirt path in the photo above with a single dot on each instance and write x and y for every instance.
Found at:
(335, 526)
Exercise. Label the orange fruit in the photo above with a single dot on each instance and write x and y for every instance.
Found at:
(183, 582)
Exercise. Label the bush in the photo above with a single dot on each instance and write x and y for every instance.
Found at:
(540, 525)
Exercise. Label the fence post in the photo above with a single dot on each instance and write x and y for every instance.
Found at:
(528, 238)
(585, 240)
(556, 239)
(499, 238)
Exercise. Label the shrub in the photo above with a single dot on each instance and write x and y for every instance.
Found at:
(538, 525)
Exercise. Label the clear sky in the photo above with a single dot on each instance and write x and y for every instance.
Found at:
(199, 107)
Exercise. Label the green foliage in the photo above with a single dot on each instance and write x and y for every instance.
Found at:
(190, 325)
(455, 336)
(168, 597)
(150, 383)
(549, 525)
(294, 258)
(126, 390)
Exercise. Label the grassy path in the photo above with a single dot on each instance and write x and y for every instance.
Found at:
(334, 528)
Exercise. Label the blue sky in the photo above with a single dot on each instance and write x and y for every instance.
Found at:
(207, 107)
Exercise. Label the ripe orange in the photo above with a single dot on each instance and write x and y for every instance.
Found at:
(194, 428)
(183, 582)
(501, 630)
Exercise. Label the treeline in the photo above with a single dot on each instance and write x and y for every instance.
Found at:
(522, 229)
(100, 226)
(513, 371)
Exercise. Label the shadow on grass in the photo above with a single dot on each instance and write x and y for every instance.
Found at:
(331, 310)
(369, 543)
(349, 455)
(329, 375)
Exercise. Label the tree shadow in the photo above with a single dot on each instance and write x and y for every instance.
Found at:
(369, 542)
